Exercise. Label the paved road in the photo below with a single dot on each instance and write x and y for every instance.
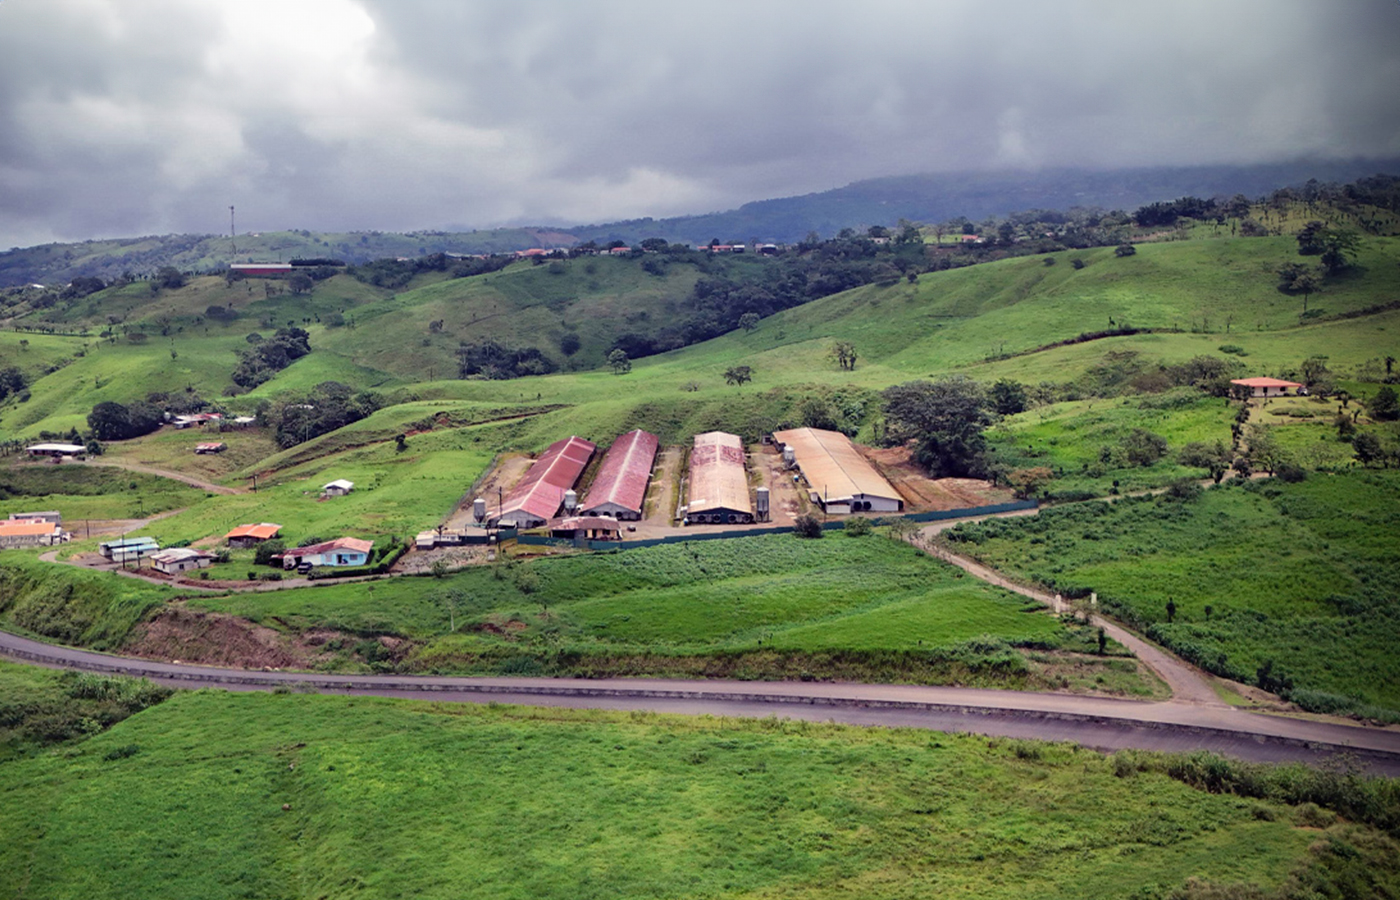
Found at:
(1093, 721)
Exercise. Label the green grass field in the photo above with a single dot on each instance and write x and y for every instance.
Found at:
(1302, 575)
(218, 795)
(772, 606)
(88, 492)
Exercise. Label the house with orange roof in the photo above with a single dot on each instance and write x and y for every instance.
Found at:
(245, 536)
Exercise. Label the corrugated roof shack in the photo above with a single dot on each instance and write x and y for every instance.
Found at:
(719, 482)
(540, 494)
(838, 478)
(620, 490)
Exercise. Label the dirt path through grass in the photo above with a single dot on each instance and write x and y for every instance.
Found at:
(1188, 685)
(164, 473)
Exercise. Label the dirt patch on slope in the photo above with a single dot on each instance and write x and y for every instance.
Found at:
(924, 494)
(212, 639)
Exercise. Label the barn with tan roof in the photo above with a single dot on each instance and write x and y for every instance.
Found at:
(838, 478)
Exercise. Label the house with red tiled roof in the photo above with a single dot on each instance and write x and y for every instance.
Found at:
(1267, 387)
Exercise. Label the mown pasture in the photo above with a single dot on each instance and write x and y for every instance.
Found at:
(1301, 578)
(235, 795)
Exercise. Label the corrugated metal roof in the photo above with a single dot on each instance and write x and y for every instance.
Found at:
(1265, 382)
(718, 478)
(541, 492)
(832, 465)
(262, 531)
(625, 472)
(337, 544)
(177, 554)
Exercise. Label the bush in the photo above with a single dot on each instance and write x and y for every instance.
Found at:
(266, 550)
(807, 526)
(857, 527)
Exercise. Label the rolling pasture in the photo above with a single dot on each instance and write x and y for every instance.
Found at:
(220, 795)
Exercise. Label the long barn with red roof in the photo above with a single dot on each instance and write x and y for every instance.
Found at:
(620, 489)
(540, 494)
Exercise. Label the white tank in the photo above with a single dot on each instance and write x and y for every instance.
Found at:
(789, 457)
(761, 502)
(479, 509)
(570, 500)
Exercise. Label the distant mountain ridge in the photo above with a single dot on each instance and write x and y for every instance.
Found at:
(879, 201)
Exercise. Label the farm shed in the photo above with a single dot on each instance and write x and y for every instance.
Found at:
(838, 477)
(260, 269)
(128, 549)
(180, 559)
(538, 496)
(339, 552)
(31, 533)
(56, 450)
(621, 486)
(338, 488)
(245, 536)
(211, 447)
(719, 481)
(1267, 387)
(593, 528)
(48, 515)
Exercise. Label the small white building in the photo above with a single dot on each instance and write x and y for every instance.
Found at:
(31, 533)
(338, 488)
(180, 559)
(56, 450)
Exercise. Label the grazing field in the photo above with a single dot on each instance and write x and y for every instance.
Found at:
(1291, 586)
(218, 795)
(89, 492)
(1076, 439)
(40, 708)
(764, 607)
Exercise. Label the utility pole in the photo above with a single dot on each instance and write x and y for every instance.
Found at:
(232, 232)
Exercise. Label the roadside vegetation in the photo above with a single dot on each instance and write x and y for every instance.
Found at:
(353, 795)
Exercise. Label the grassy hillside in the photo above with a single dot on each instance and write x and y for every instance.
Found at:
(227, 795)
(1301, 575)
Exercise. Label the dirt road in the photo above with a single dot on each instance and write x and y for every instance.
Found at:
(200, 483)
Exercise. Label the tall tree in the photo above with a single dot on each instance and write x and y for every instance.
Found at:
(944, 420)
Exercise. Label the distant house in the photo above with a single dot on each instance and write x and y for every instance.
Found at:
(339, 552)
(56, 450)
(245, 536)
(338, 488)
(31, 533)
(128, 549)
(195, 419)
(180, 559)
(211, 447)
(1267, 387)
(254, 270)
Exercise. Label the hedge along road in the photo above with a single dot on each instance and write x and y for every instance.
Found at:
(1101, 723)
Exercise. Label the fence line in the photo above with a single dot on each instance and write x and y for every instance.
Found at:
(938, 515)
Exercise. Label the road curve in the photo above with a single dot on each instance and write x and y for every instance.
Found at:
(192, 481)
(1097, 722)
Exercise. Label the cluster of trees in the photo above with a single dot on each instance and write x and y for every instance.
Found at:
(944, 420)
(296, 418)
(112, 421)
(12, 381)
(397, 273)
(269, 356)
(494, 361)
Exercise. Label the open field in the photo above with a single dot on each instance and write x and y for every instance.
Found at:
(223, 795)
(1303, 576)
(88, 492)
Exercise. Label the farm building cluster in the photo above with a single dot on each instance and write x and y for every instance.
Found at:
(33, 529)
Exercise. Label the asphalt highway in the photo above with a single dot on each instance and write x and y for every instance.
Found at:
(1176, 725)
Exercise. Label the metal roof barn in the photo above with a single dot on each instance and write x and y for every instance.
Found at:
(838, 477)
(719, 481)
(540, 493)
(620, 489)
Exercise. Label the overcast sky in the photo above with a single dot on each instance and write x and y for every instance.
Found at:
(126, 117)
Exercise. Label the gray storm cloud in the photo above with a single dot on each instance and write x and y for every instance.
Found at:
(124, 117)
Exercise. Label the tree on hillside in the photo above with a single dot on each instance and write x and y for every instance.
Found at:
(300, 283)
(112, 421)
(1384, 406)
(844, 352)
(738, 375)
(944, 420)
(1339, 248)
(1367, 448)
(168, 277)
(749, 321)
(1310, 238)
(620, 362)
(1124, 250)
(1008, 397)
